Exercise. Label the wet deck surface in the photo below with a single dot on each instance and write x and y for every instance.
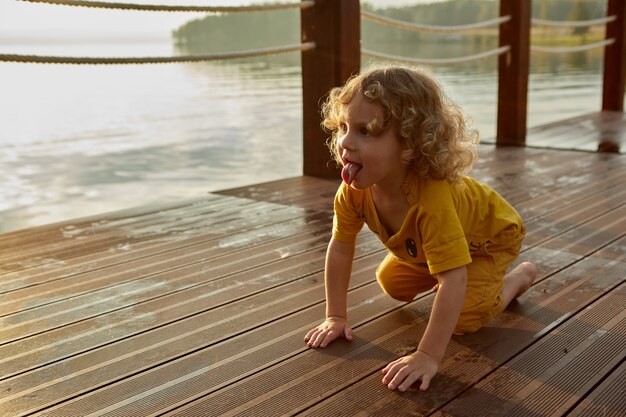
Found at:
(601, 131)
(200, 308)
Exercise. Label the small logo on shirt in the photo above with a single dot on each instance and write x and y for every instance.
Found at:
(411, 247)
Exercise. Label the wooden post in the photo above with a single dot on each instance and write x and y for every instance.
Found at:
(513, 70)
(334, 26)
(615, 59)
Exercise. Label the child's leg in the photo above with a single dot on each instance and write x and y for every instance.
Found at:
(483, 300)
(517, 282)
(403, 281)
(489, 288)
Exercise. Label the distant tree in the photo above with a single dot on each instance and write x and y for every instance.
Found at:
(579, 12)
(543, 10)
(486, 12)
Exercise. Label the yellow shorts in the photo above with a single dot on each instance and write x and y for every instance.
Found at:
(485, 278)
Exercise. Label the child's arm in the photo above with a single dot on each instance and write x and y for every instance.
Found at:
(443, 319)
(337, 277)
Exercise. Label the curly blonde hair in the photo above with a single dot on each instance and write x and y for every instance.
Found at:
(435, 131)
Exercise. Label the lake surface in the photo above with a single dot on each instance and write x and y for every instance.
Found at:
(82, 140)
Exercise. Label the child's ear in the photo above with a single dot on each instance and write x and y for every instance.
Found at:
(408, 156)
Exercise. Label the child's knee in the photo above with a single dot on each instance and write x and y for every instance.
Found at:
(404, 285)
(467, 326)
(474, 317)
(402, 281)
(390, 287)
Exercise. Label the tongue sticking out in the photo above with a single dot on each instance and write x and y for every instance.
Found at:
(349, 171)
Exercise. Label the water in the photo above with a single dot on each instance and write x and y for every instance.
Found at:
(82, 140)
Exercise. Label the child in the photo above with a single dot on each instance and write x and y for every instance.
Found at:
(404, 148)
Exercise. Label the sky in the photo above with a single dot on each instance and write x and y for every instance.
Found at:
(21, 20)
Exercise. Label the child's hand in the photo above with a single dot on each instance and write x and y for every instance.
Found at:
(332, 328)
(403, 372)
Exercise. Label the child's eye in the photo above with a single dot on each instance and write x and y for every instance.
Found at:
(364, 131)
(343, 128)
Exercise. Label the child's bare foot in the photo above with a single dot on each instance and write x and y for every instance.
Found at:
(527, 272)
(518, 281)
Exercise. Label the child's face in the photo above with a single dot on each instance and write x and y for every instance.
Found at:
(369, 159)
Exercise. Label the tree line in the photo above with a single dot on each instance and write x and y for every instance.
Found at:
(238, 31)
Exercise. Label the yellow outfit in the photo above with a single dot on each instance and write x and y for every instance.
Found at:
(447, 226)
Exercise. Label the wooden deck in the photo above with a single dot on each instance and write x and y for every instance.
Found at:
(602, 131)
(200, 308)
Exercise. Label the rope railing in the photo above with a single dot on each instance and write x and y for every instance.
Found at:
(399, 24)
(437, 61)
(565, 49)
(416, 27)
(155, 60)
(574, 23)
(175, 8)
(160, 60)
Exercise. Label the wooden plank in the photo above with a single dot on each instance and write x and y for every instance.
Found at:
(607, 399)
(141, 227)
(72, 241)
(127, 252)
(189, 325)
(527, 177)
(125, 217)
(181, 271)
(271, 243)
(429, 399)
(574, 215)
(472, 357)
(604, 131)
(549, 377)
(81, 279)
(83, 228)
(168, 308)
(219, 396)
(533, 173)
(188, 278)
(211, 327)
(306, 192)
(545, 204)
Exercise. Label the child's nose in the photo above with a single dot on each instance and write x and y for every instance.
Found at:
(346, 142)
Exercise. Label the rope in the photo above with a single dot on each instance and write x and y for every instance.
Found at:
(155, 60)
(574, 24)
(437, 61)
(169, 8)
(562, 49)
(399, 24)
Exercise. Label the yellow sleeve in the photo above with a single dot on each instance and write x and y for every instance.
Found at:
(444, 242)
(443, 236)
(348, 219)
